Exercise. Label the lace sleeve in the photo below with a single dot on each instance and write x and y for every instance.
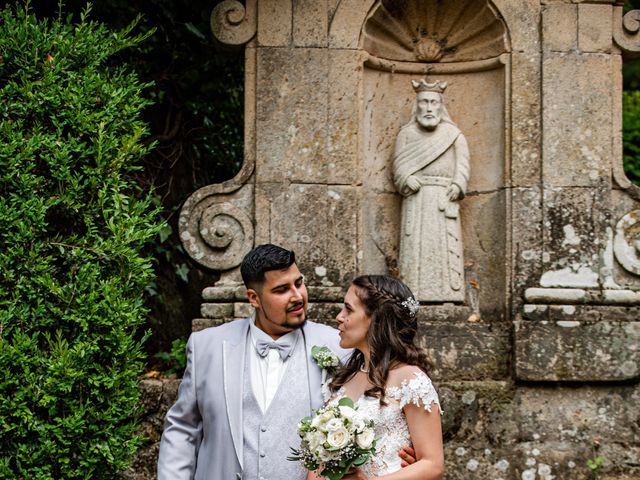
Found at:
(418, 390)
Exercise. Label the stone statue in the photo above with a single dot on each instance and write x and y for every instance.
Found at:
(431, 171)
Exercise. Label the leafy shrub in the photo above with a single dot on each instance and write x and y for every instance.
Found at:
(74, 226)
(631, 134)
(175, 361)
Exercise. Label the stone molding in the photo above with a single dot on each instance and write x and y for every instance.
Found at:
(233, 23)
(626, 30)
(626, 243)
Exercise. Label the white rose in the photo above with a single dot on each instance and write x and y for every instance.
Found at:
(365, 439)
(358, 423)
(333, 425)
(321, 419)
(347, 412)
(315, 439)
(338, 438)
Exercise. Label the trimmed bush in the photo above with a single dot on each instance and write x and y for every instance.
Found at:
(72, 268)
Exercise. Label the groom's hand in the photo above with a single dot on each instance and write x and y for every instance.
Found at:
(408, 456)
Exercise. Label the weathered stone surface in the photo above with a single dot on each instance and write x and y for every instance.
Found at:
(574, 233)
(296, 215)
(523, 19)
(484, 235)
(595, 27)
(216, 310)
(526, 237)
(468, 351)
(291, 114)
(274, 26)
(576, 106)
(571, 350)
(379, 251)
(525, 120)
(560, 27)
(310, 23)
(344, 100)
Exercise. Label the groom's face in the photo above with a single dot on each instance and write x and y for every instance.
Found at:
(280, 301)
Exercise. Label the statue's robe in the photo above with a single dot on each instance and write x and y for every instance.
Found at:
(430, 258)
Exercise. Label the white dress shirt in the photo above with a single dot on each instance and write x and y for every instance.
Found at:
(267, 371)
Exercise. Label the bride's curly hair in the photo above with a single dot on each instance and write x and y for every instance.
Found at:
(390, 336)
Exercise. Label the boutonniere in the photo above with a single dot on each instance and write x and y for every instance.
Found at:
(325, 359)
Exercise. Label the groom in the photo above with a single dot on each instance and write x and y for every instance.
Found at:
(249, 382)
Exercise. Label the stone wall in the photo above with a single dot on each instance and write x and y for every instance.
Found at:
(538, 366)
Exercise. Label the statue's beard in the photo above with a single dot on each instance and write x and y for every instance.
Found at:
(428, 123)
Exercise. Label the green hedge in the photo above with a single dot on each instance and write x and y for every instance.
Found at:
(73, 229)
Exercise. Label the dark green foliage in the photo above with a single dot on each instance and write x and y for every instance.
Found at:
(631, 134)
(175, 361)
(74, 225)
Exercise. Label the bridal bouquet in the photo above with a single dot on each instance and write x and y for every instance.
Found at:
(336, 438)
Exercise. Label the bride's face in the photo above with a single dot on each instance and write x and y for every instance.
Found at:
(353, 322)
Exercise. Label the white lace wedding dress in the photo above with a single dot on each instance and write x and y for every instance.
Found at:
(391, 430)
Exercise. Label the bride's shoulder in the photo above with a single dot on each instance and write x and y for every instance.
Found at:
(404, 373)
(409, 384)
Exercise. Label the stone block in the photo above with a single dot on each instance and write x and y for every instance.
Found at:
(523, 18)
(291, 115)
(242, 310)
(343, 120)
(274, 22)
(310, 23)
(466, 351)
(525, 119)
(576, 115)
(526, 238)
(198, 324)
(319, 222)
(216, 310)
(595, 28)
(484, 235)
(575, 351)
(574, 232)
(324, 312)
(560, 27)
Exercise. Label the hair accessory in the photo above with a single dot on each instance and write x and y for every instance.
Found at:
(412, 305)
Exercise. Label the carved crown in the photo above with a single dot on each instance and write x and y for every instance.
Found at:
(423, 86)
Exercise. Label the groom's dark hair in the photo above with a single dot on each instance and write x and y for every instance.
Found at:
(264, 258)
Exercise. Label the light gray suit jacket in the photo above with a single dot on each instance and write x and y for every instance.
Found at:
(202, 436)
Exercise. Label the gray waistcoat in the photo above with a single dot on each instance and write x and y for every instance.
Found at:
(268, 437)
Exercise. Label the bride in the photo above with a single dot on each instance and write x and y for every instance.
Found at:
(385, 376)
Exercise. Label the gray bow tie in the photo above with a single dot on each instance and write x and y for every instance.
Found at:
(263, 346)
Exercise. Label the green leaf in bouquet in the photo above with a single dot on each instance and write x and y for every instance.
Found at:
(346, 402)
(360, 459)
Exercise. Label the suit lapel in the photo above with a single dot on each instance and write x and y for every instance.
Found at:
(314, 372)
(233, 358)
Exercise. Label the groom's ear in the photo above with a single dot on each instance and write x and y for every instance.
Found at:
(253, 298)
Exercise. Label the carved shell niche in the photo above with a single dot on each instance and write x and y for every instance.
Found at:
(434, 31)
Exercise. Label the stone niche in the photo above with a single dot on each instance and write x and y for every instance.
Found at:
(538, 367)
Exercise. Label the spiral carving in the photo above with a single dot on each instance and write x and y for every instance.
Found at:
(218, 236)
(626, 243)
(233, 23)
(626, 29)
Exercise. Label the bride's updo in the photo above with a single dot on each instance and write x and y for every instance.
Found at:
(394, 324)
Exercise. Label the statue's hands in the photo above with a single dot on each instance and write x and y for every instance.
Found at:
(453, 192)
(408, 456)
(413, 183)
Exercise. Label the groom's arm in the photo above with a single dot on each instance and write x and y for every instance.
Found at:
(183, 429)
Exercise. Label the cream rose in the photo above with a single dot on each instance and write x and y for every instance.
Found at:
(365, 439)
(347, 412)
(333, 425)
(338, 438)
